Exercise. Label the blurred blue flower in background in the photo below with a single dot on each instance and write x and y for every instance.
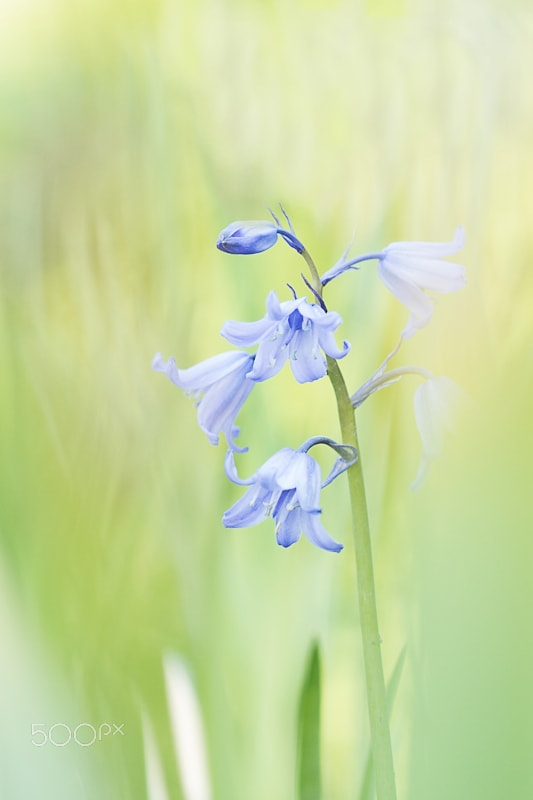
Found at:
(438, 402)
(294, 330)
(287, 487)
(219, 387)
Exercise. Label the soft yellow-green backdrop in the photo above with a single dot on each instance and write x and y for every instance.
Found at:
(131, 133)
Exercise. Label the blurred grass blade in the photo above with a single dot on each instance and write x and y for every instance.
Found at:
(155, 778)
(188, 729)
(309, 781)
(367, 786)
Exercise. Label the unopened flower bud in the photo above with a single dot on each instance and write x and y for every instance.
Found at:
(248, 237)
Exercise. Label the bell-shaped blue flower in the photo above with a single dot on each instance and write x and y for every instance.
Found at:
(296, 330)
(219, 387)
(408, 270)
(287, 487)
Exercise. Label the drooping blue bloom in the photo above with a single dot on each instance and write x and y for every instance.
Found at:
(294, 330)
(287, 487)
(246, 237)
(409, 269)
(219, 387)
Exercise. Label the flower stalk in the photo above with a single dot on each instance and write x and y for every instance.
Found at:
(366, 589)
(375, 679)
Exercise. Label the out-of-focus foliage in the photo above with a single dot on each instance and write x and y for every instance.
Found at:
(131, 133)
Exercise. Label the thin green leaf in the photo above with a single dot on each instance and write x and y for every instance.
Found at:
(367, 786)
(309, 779)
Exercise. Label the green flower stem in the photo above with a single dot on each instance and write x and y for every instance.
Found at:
(317, 284)
(375, 680)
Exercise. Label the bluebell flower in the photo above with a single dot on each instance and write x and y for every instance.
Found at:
(219, 387)
(287, 487)
(408, 269)
(294, 330)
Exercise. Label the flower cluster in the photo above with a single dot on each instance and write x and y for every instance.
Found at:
(287, 486)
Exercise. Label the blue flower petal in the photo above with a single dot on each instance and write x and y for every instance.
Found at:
(251, 509)
(169, 367)
(220, 406)
(202, 375)
(289, 530)
(270, 357)
(231, 471)
(307, 362)
(318, 535)
(267, 474)
(410, 295)
(246, 334)
(302, 473)
(431, 249)
(329, 345)
(432, 274)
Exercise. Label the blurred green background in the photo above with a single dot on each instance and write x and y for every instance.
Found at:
(131, 134)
